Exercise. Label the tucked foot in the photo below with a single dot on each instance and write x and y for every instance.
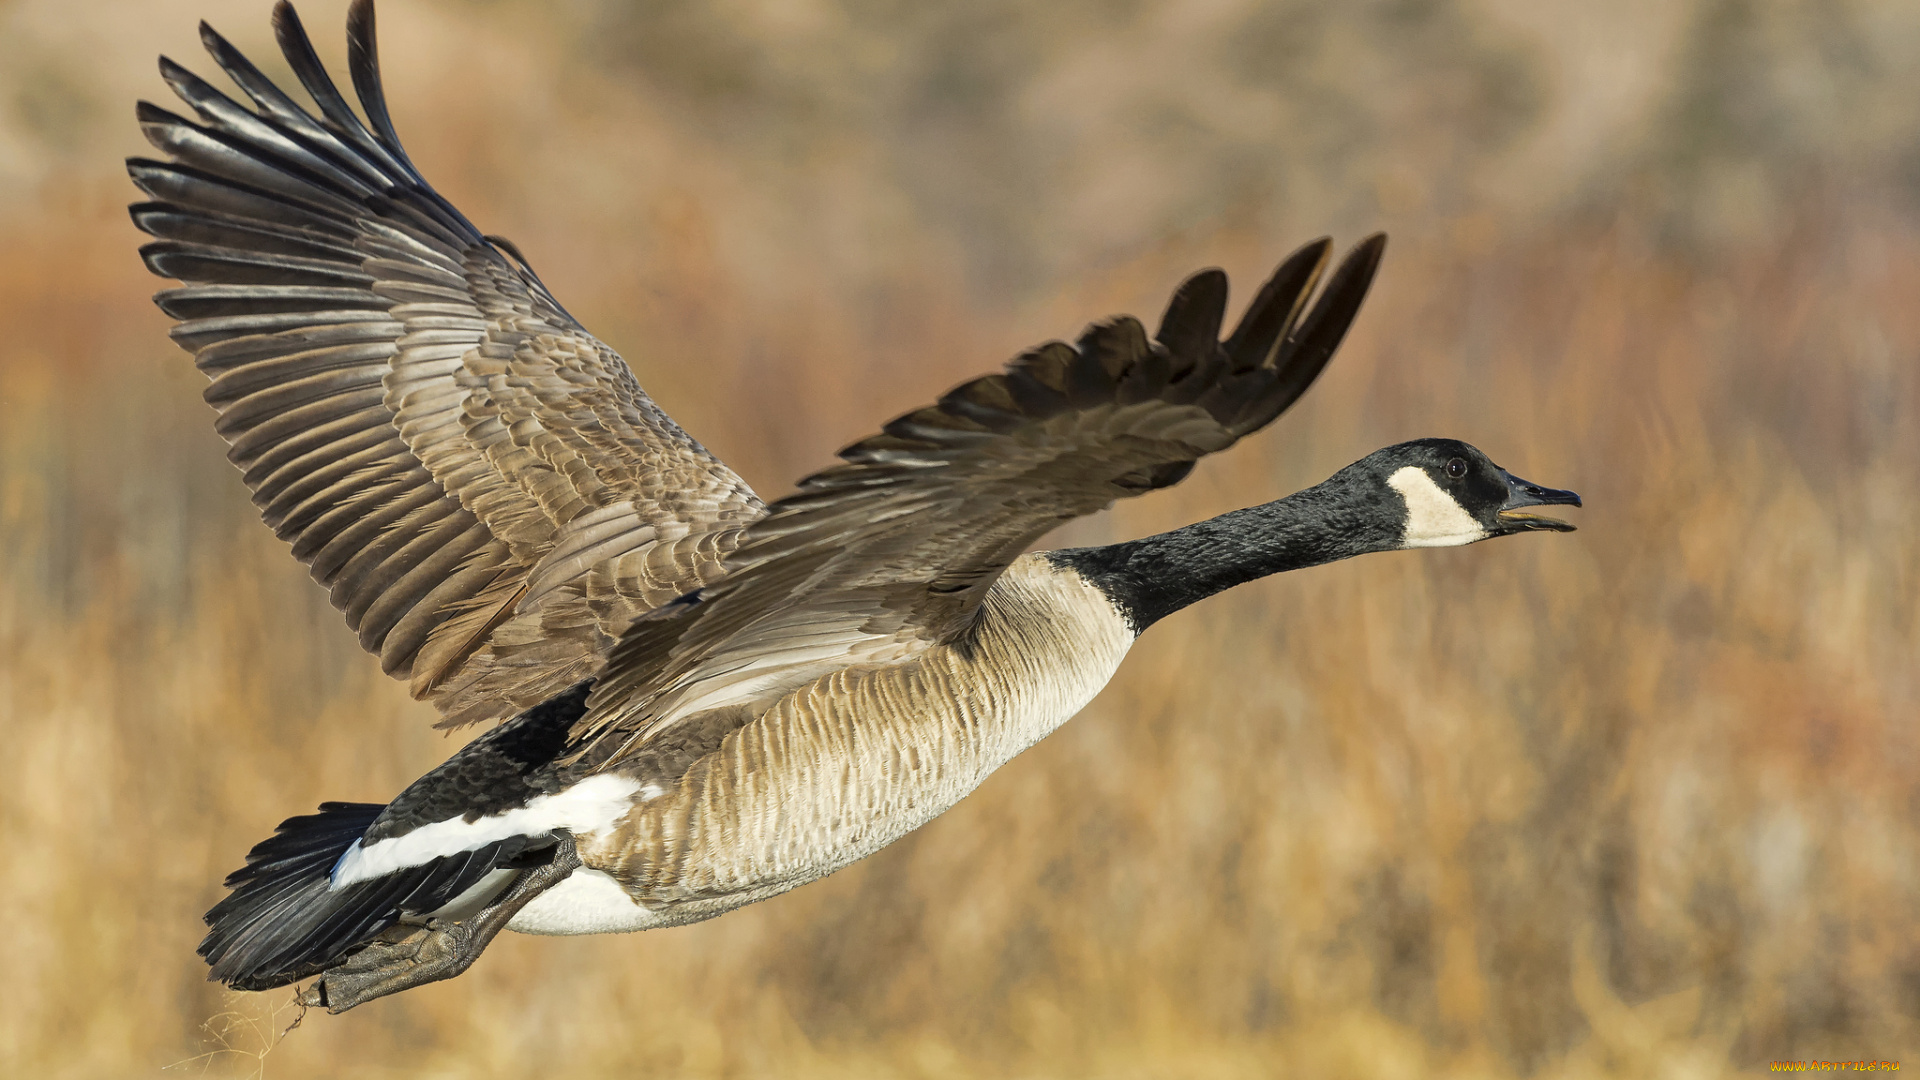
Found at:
(403, 957)
(385, 967)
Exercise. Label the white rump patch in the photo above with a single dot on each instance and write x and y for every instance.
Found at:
(583, 809)
(1434, 518)
(585, 902)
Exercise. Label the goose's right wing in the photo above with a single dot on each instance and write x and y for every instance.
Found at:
(896, 548)
(482, 484)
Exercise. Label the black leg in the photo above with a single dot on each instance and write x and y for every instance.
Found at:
(408, 956)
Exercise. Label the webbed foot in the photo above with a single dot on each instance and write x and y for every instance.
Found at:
(403, 957)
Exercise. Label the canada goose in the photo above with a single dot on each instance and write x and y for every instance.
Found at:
(707, 700)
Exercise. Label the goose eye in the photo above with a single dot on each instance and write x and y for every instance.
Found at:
(1456, 468)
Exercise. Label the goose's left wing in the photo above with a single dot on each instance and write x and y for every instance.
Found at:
(896, 548)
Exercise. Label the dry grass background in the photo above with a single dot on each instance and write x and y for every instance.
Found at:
(1638, 802)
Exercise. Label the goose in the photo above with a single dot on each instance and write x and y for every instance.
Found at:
(699, 699)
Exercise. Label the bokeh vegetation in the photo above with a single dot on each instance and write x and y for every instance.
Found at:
(1637, 802)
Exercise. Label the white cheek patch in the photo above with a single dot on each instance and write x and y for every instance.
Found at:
(1434, 518)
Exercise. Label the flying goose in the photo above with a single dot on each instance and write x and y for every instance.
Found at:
(707, 699)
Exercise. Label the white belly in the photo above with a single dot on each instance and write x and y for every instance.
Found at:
(585, 902)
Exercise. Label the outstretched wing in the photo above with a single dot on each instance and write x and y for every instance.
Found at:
(484, 487)
(895, 549)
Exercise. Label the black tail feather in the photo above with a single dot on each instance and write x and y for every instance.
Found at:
(301, 842)
(280, 870)
(284, 921)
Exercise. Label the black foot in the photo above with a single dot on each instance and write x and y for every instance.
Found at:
(403, 957)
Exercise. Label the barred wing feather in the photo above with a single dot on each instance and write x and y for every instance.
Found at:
(483, 486)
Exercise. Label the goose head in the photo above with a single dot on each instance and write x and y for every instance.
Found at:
(1449, 493)
(1420, 494)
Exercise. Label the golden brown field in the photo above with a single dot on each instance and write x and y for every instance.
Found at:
(1639, 802)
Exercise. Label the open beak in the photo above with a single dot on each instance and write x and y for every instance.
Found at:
(1521, 494)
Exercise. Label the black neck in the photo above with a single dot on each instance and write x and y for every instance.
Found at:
(1152, 578)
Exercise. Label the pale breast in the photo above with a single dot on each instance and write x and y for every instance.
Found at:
(853, 761)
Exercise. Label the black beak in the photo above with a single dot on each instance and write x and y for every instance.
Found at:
(1522, 493)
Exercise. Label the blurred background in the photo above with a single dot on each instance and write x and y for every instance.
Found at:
(1639, 801)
